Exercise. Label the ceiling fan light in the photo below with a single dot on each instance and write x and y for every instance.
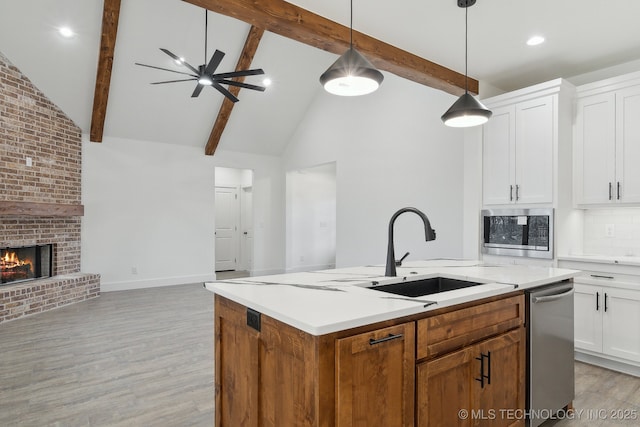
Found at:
(467, 111)
(351, 75)
(205, 80)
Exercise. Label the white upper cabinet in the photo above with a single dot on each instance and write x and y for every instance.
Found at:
(498, 157)
(520, 145)
(534, 151)
(607, 144)
(595, 150)
(628, 145)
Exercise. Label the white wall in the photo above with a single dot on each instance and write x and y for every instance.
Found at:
(150, 206)
(392, 150)
(311, 218)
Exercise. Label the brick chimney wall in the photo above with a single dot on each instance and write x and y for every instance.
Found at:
(31, 126)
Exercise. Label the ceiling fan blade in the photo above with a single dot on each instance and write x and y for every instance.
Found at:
(174, 81)
(241, 73)
(177, 58)
(165, 69)
(197, 90)
(225, 92)
(215, 60)
(241, 84)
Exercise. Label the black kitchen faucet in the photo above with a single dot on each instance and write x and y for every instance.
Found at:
(429, 234)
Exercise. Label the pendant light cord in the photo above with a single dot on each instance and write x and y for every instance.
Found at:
(351, 27)
(466, 49)
(206, 24)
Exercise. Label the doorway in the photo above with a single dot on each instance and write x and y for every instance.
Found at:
(233, 221)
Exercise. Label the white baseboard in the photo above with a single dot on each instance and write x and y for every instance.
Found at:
(154, 283)
(266, 272)
(310, 268)
(630, 368)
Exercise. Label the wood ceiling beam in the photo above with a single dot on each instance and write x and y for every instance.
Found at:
(244, 62)
(296, 23)
(110, 17)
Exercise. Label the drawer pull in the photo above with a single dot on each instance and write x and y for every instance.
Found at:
(599, 276)
(385, 339)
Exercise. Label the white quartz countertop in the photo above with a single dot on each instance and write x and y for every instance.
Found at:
(322, 302)
(603, 259)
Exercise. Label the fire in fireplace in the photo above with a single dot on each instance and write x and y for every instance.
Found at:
(25, 263)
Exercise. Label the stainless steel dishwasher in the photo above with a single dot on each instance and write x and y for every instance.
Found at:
(550, 358)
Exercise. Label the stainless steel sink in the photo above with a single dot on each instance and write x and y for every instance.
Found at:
(423, 287)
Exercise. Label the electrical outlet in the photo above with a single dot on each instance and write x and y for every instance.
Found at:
(609, 230)
(29, 162)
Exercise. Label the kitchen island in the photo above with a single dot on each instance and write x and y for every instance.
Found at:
(327, 349)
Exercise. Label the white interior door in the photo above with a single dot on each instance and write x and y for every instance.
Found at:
(227, 214)
(246, 220)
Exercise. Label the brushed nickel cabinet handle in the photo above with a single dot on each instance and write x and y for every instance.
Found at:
(610, 191)
(618, 190)
(517, 192)
(511, 193)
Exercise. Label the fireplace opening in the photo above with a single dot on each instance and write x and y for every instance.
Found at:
(25, 263)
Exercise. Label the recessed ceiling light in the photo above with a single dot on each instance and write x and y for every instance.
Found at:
(66, 32)
(535, 40)
(266, 81)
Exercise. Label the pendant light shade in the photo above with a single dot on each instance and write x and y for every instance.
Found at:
(352, 74)
(467, 111)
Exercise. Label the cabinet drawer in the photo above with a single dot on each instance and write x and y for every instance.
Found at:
(445, 332)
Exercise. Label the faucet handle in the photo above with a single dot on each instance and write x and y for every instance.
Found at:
(399, 262)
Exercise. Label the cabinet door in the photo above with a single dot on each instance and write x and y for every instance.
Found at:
(498, 157)
(444, 386)
(621, 322)
(240, 344)
(534, 150)
(595, 161)
(588, 306)
(504, 365)
(454, 382)
(628, 145)
(375, 373)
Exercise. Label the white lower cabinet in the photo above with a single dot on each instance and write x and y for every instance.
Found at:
(607, 321)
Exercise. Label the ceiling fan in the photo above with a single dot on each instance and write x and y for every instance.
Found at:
(205, 74)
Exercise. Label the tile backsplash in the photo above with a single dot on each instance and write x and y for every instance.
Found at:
(612, 232)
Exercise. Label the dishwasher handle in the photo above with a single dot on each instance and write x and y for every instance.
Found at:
(549, 298)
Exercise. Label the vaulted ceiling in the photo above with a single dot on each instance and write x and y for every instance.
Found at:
(582, 35)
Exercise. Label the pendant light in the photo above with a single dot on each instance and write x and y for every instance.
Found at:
(352, 74)
(467, 111)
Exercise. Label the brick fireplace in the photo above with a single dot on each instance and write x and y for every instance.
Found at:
(40, 196)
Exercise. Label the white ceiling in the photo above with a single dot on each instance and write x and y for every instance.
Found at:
(582, 36)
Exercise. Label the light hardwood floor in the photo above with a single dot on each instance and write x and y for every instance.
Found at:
(130, 358)
(145, 358)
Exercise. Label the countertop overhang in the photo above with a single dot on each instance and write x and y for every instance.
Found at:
(327, 301)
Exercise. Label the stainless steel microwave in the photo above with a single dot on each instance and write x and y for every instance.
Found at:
(518, 232)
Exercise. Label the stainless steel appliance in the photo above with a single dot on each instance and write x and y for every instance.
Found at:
(550, 358)
(518, 232)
